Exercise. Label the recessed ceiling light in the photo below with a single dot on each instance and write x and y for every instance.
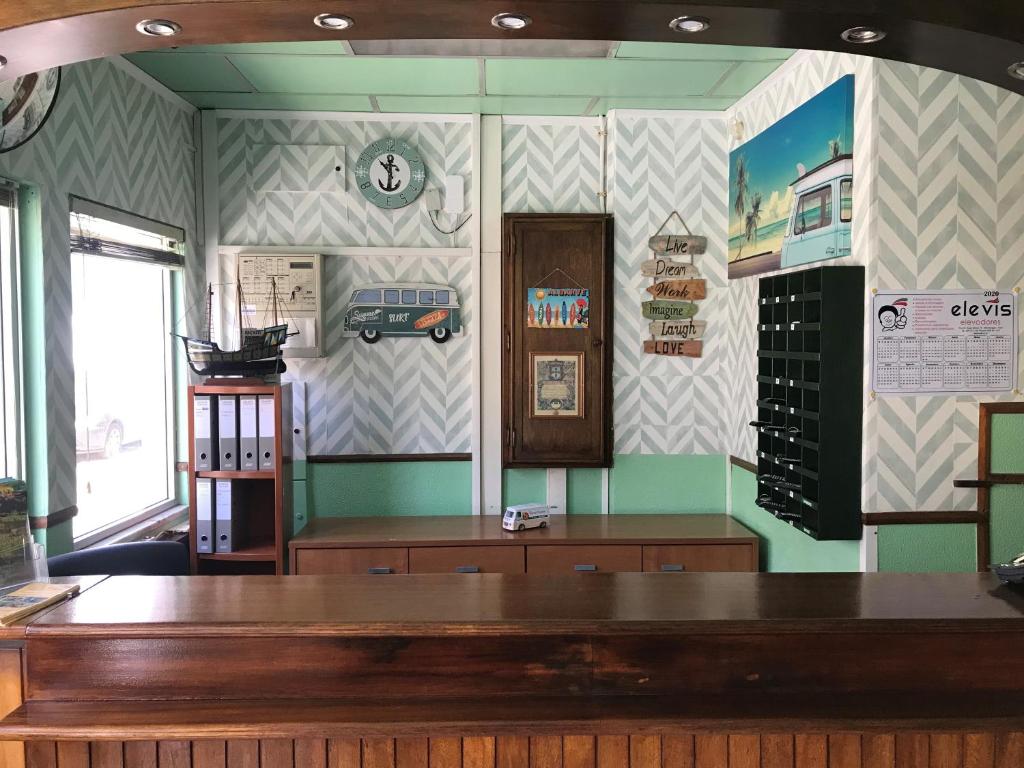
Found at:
(333, 21)
(689, 24)
(1016, 70)
(3, 62)
(861, 35)
(511, 21)
(158, 27)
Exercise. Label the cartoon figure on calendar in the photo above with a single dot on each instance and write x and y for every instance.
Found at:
(893, 317)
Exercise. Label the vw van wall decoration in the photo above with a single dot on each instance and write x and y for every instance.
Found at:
(390, 173)
(676, 288)
(791, 187)
(403, 309)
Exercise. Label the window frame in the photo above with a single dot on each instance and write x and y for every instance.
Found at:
(428, 301)
(822, 222)
(169, 274)
(397, 300)
(845, 183)
(13, 416)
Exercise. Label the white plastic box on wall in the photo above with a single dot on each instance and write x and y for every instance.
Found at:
(297, 279)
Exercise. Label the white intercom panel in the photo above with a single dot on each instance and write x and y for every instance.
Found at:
(297, 278)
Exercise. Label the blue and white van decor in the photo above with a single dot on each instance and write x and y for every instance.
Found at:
(403, 309)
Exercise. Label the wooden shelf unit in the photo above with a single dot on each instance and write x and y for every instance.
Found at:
(810, 399)
(265, 495)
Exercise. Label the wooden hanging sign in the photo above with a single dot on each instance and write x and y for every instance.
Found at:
(678, 245)
(669, 310)
(668, 268)
(680, 329)
(679, 290)
(674, 348)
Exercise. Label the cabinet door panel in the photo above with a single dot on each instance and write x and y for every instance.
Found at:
(495, 559)
(699, 557)
(558, 560)
(381, 560)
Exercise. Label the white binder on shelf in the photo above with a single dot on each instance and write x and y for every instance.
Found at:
(227, 431)
(267, 427)
(248, 437)
(205, 432)
(204, 515)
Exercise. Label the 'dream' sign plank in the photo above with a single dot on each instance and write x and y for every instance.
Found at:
(678, 245)
(673, 348)
(668, 268)
(669, 310)
(679, 290)
(681, 329)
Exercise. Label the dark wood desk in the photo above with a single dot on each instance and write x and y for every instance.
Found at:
(605, 543)
(703, 670)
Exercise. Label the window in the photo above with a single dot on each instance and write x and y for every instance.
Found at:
(122, 268)
(814, 211)
(10, 360)
(391, 296)
(441, 297)
(426, 297)
(846, 200)
(408, 297)
(368, 296)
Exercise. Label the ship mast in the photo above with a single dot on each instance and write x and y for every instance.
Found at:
(241, 330)
(273, 297)
(209, 312)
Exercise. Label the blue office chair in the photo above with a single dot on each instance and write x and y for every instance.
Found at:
(141, 558)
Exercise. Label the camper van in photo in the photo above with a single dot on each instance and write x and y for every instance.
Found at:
(403, 309)
(819, 226)
(523, 516)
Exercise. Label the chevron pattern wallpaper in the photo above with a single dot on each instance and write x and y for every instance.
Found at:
(344, 217)
(939, 204)
(551, 167)
(657, 165)
(113, 140)
(404, 395)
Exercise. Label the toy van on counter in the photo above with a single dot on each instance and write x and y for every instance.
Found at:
(523, 516)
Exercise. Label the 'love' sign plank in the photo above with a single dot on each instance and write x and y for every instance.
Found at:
(679, 290)
(673, 348)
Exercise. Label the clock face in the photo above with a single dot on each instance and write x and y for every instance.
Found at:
(390, 173)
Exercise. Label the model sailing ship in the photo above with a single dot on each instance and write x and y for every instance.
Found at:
(259, 350)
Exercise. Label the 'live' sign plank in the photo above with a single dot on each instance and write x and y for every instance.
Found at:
(679, 290)
(673, 348)
(678, 245)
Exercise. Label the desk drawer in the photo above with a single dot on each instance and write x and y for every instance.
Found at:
(556, 560)
(495, 559)
(351, 561)
(699, 557)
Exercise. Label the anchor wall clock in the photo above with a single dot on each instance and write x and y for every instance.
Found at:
(390, 173)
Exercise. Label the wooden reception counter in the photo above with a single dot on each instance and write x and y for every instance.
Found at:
(717, 670)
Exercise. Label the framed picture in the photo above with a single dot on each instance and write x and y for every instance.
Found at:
(556, 385)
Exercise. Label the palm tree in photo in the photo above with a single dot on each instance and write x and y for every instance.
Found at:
(742, 186)
(753, 218)
(833, 148)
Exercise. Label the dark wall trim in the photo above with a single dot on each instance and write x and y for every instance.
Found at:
(736, 461)
(386, 458)
(52, 519)
(922, 517)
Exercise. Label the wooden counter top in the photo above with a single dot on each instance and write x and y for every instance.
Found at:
(16, 631)
(476, 530)
(492, 604)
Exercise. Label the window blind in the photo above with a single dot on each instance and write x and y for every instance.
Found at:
(101, 230)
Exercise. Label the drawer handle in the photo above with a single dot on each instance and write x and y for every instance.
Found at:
(672, 567)
(584, 567)
(382, 569)
(467, 569)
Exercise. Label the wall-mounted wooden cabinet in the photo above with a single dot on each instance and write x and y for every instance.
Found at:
(557, 325)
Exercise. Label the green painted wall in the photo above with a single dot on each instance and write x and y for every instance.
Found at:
(783, 548)
(658, 484)
(583, 491)
(1008, 442)
(524, 486)
(389, 488)
(926, 548)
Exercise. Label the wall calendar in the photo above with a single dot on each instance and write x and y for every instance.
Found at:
(943, 341)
